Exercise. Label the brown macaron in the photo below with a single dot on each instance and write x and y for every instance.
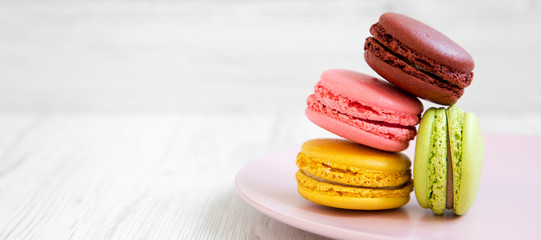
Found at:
(418, 59)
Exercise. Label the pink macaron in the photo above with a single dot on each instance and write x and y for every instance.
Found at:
(364, 109)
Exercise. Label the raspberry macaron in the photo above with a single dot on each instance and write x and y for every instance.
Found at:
(364, 109)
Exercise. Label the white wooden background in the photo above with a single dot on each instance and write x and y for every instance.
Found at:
(130, 119)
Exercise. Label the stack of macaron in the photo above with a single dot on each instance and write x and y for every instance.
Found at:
(378, 119)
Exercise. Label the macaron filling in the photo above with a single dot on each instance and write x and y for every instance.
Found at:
(449, 200)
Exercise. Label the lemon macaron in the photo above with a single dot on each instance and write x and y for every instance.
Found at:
(342, 174)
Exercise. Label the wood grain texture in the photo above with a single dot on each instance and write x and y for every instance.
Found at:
(110, 176)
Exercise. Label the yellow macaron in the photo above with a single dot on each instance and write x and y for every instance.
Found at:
(343, 174)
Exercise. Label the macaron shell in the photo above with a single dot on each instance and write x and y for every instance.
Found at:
(352, 202)
(411, 84)
(438, 162)
(339, 196)
(370, 91)
(422, 153)
(430, 164)
(355, 134)
(350, 154)
(427, 41)
(472, 163)
(455, 123)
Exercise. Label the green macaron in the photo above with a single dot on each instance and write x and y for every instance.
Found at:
(448, 160)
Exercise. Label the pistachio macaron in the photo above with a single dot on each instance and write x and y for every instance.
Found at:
(448, 160)
(342, 174)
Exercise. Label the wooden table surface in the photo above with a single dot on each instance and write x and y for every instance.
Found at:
(136, 176)
(129, 120)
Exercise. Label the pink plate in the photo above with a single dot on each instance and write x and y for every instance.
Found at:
(507, 206)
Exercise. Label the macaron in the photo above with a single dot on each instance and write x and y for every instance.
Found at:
(418, 59)
(448, 160)
(342, 174)
(364, 109)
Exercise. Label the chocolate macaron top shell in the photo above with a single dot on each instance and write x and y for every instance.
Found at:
(426, 41)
